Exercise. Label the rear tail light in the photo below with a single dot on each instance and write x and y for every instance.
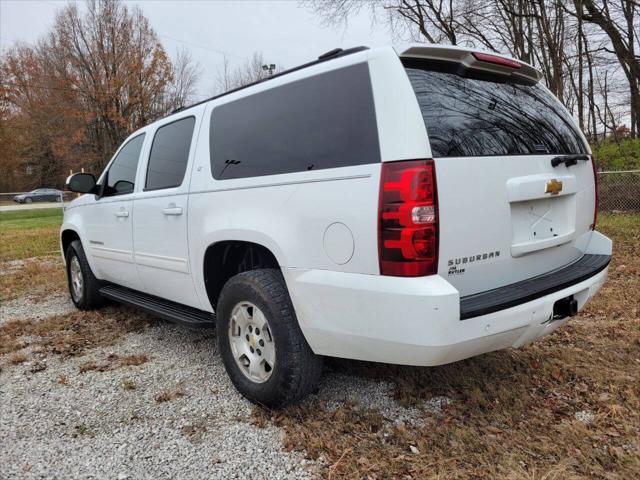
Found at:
(408, 219)
(595, 186)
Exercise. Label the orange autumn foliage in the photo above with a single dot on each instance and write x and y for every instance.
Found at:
(70, 100)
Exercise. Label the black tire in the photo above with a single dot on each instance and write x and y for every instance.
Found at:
(28, 200)
(89, 298)
(297, 369)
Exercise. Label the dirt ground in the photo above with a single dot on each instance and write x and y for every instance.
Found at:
(565, 407)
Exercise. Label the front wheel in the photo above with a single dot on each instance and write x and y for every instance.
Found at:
(262, 347)
(83, 285)
(28, 200)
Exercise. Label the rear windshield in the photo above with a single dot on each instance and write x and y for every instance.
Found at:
(470, 114)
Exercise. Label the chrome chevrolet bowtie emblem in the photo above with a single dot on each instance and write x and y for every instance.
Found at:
(553, 187)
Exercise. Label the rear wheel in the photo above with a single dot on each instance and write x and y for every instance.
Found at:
(262, 347)
(83, 285)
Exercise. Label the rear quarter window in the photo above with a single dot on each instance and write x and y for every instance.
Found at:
(470, 114)
(320, 122)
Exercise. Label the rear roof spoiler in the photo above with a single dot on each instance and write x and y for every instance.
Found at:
(472, 59)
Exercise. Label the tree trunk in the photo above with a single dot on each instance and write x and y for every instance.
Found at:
(623, 49)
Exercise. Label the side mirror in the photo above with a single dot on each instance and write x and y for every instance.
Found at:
(82, 183)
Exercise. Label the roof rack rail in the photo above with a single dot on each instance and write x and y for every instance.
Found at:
(330, 55)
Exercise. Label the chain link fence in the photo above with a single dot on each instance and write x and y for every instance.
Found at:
(619, 191)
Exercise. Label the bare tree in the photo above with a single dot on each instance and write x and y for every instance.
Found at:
(437, 21)
(224, 81)
(619, 21)
(184, 81)
(250, 71)
(573, 44)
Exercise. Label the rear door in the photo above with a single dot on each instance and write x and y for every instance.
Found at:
(506, 213)
(161, 209)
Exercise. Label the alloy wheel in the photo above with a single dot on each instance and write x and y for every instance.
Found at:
(252, 343)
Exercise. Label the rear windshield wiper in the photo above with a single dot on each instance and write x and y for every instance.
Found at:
(569, 160)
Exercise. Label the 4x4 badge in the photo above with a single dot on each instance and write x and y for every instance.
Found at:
(553, 187)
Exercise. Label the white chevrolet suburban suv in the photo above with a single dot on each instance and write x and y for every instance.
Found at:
(413, 206)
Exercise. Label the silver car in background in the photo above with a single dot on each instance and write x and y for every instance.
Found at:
(40, 195)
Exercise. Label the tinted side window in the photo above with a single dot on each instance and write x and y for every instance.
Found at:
(324, 121)
(478, 115)
(121, 176)
(169, 154)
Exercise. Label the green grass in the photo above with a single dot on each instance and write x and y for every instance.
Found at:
(618, 224)
(29, 233)
(27, 219)
(623, 155)
(34, 233)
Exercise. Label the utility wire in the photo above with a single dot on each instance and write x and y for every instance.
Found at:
(196, 45)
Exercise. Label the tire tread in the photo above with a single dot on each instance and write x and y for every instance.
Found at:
(302, 367)
(91, 297)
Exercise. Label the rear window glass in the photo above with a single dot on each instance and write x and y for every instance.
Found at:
(169, 154)
(324, 121)
(483, 115)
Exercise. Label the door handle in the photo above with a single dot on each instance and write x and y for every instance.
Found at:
(172, 210)
(122, 214)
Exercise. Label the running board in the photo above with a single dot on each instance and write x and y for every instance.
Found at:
(172, 311)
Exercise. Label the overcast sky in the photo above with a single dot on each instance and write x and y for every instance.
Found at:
(285, 32)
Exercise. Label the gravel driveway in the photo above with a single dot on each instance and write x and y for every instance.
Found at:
(175, 415)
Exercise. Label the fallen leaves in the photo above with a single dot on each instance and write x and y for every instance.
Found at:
(513, 413)
(170, 394)
(114, 361)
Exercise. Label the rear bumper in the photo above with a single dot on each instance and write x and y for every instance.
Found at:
(522, 292)
(417, 321)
